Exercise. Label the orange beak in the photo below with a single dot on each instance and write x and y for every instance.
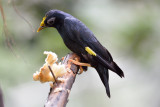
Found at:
(40, 28)
(42, 25)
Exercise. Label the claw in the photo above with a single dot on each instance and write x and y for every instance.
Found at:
(81, 70)
(77, 63)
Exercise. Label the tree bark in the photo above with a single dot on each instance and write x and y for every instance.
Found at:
(58, 95)
(1, 99)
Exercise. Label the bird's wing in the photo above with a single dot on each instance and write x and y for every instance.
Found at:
(79, 33)
(82, 35)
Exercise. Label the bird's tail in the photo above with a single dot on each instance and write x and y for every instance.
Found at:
(104, 75)
(116, 69)
(110, 65)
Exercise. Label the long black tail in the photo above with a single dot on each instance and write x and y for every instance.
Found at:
(117, 70)
(110, 65)
(104, 75)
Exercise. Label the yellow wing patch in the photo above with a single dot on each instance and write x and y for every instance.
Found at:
(90, 51)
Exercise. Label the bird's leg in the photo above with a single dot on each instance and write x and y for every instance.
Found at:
(81, 70)
(79, 63)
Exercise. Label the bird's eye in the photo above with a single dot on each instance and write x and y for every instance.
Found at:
(51, 21)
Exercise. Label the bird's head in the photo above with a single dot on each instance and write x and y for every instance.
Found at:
(53, 18)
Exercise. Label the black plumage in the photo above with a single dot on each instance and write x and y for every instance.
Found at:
(77, 37)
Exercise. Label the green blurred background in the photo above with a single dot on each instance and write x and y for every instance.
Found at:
(129, 29)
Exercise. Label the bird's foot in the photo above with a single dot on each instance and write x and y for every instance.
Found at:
(76, 62)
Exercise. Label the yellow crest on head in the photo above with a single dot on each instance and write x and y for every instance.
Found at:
(90, 51)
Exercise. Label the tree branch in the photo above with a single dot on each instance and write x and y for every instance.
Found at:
(58, 95)
(1, 99)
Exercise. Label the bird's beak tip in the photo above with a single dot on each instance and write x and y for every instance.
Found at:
(40, 28)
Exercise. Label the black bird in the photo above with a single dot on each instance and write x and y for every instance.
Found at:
(80, 39)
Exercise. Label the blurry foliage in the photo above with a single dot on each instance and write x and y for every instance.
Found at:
(139, 38)
(29, 46)
(39, 7)
(137, 1)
